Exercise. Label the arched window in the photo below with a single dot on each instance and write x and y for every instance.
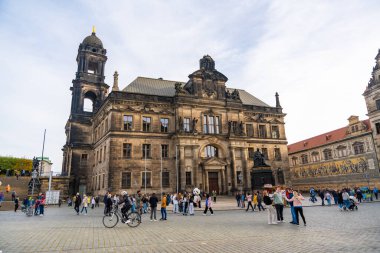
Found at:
(88, 101)
(211, 151)
(88, 105)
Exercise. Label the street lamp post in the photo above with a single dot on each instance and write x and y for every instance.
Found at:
(176, 164)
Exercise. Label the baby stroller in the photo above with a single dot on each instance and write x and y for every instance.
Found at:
(353, 206)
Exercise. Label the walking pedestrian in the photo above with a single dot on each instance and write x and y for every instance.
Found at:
(108, 205)
(328, 198)
(93, 202)
(271, 211)
(191, 205)
(259, 201)
(297, 203)
(376, 192)
(77, 203)
(208, 205)
(279, 204)
(16, 203)
(1, 197)
(292, 211)
(13, 195)
(42, 204)
(84, 204)
(214, 195)
(249, 199)
(175, 203)
(322, 196)
(153, 200)
(255, 202)
(97, 201)
(163, 207)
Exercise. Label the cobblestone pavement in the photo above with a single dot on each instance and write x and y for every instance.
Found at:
(327, 230)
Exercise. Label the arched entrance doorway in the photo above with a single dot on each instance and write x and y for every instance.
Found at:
(213, 163)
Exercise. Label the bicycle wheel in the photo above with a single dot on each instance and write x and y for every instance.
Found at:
(135, 219)
(109, 221)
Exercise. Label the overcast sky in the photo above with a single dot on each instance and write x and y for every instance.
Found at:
(318, 55)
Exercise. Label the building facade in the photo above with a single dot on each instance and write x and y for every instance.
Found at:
(345, 157)
(45, 166)
(169, 136)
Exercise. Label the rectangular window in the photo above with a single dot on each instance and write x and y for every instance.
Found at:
(126, 180)
(359, 149)
(251, 152)
(304, 159)
(105, 152)
(211, 125)
(294, 160)
(249, 130)
(165, 151)
(264, 151)
(146, 124)
(217, 123)
(205, 124)
(378, 104)
(164, 125)
(104, 179)
(186, 125)
(127, 150)
(234, 126)
(328, 154)
(262, 131)
(275, 132)
(188, 177)
(84, 158)
(127, 122)
(377, 125)
(277, 154)
(165, 179)
(239, 177)
(100, 155)
(146, 150)
(148, 178)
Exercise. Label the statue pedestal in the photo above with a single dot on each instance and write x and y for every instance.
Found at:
(261, 176)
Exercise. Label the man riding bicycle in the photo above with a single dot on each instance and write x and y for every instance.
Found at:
(127, 205)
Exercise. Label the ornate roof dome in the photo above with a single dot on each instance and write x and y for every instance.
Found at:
(93, 40)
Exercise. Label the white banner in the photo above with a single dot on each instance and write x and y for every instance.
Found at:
(52, 197)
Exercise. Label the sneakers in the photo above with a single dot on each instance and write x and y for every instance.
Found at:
(212, 214)
(155, 220)
(128, 221)
(204, 214)
(151, 220)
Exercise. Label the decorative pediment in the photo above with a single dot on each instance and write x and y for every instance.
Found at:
(214, 161)
(260, 118)
(275, 121)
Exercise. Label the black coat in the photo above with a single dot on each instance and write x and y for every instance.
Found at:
(153, 201)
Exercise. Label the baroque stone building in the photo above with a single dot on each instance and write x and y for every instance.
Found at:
(346, 157)
(159, 134)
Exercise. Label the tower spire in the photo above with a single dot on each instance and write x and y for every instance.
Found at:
(277, 101)
(93, 29)
(115, 86)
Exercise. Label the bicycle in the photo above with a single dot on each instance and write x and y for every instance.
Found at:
(110, 220)
(27, 210)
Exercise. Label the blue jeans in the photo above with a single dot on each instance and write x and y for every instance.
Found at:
(145, 207)
(294, 218)
(163, 213)
(346, 203)
(329, 202)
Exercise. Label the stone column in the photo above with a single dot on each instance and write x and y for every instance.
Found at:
(182, 181)
(224, 181)
(233, 168)
(206, 181)
(195, 166)
(247, 182)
